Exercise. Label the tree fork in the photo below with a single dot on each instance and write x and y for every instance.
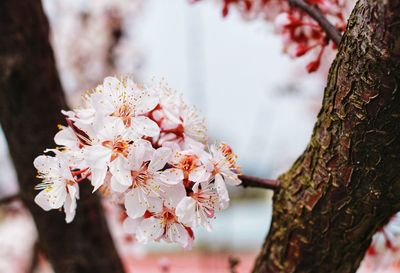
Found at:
(347, 182)
(314, 12)
(31, 98)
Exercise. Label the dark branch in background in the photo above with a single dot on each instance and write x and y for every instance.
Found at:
(256, 182)
(314, 12)
(31, 98)
(8, 199)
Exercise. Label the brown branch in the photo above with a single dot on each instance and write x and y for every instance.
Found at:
(8, 199)
(314, 12)
(334, 198)
(262, 183)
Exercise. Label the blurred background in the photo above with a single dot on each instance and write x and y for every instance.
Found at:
(253, 97)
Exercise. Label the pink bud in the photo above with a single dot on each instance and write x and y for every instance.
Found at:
(313, 66)
(301, 50)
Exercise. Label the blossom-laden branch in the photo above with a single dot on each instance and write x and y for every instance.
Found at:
(262, 183)
(142, 147)
(306, 26)
(315, 12)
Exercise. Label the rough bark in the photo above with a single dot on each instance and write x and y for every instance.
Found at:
(347, 182)
(31, 98)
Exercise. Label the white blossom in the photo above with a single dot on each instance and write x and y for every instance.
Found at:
(126, 101)
(109, 151)
(221, 162)
(197, 208)
(164, 224)
(145, 180)
(194, 125)
(188, 164)
(385, 243)
(59, 188)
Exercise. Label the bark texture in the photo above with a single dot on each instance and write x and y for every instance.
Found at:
(31, 98)
(347, 182)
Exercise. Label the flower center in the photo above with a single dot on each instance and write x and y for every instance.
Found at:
(187, 164)
(228, 153)
(206, 201)
(119, 147)
(125, 113)
(139, 178)
(168, 216)
(229, 156)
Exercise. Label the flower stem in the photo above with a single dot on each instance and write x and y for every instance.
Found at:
(262, 183)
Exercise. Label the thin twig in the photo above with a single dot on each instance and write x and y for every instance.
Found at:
(262, 183)
(314, 12)
(233, 264)
(8, 199)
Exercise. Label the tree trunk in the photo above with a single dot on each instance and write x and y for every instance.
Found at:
(31, 98)
(347, 182)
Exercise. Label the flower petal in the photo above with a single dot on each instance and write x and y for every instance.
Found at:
(160, 157)
(102, 104)
(147, 101)
(173, 194)
(113, 88)
(97, 177)
(130, 225)
(233, 179)
(222, 191)
(150, 229)
(170, 176)
(119, 172)
(97, 156)
(136, 203)
(42, 200)
(199, 174)
(186, 211)
(46, 164)
(66, 137)
(111, 128)
(57, 195)
(116, 186)
(177, 233)
(145, 126)
(141, 150)
(70, 205)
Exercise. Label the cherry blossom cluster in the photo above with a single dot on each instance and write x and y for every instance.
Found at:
(145, 149)
(301, 34)
(385, 246)
(110, 45)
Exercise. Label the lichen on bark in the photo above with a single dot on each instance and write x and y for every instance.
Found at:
(347, 182)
